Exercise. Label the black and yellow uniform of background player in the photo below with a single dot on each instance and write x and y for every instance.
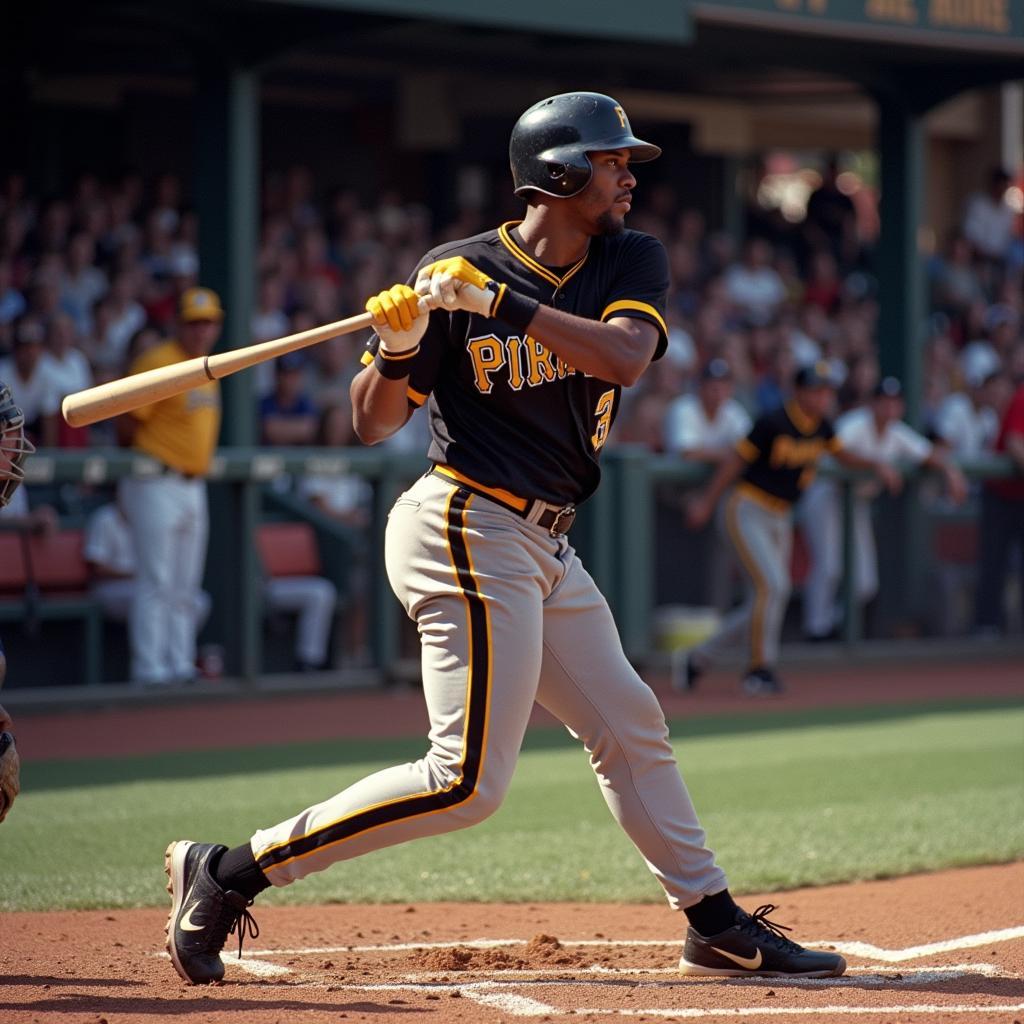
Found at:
(504, 411)
(782, 451)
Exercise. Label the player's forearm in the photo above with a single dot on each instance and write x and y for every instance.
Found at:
(380, 407)
(725, 476)
(853, 461)
(609, 351)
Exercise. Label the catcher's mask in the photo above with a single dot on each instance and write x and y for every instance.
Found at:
(15, 447)
(550, 142)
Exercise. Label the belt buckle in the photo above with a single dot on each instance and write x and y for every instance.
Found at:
(569, 511)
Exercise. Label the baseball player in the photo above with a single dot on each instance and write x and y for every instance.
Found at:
(15, 448)
(770, 467)
(535, 329)
(876, 431)
(167, 513)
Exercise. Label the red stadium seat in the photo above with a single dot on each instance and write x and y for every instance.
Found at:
(288, 549)
(56, 562)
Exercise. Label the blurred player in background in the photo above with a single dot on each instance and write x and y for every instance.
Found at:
(875, 431)
(770, 468)
(167, 513)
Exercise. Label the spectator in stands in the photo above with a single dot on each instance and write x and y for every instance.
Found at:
(123, 315)
(706, 426)
(875, 431)
(753, 286)
(82, 284)
(823, 285)
(68, 371)
(831, 220)
(33, 388)
(775, 386)
(955, 285)
(12, 302)
(109, 552)
(965, 420)
(287, 414)
(167, 513)
(988, 226)
(1001, 526)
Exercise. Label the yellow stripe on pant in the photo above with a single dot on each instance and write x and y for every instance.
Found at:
(761, 588)
(478, 691)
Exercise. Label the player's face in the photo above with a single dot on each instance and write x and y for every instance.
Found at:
(199, 336)
(817, 402)
(605, 202)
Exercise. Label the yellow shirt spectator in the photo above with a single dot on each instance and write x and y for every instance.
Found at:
(180, 431)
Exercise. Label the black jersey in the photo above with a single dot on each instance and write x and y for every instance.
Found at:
(504, 411)
(782, 449)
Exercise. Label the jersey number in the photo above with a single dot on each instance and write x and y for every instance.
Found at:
(603, 412)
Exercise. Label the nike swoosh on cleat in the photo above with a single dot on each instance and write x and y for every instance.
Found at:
(751, 963)
(187, 924)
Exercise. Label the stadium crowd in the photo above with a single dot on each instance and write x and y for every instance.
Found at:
(91, 279)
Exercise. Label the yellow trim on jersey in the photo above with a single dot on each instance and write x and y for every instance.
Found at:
(640, 307)
(769, 501)
(416, 397)
(754, 571)
(804, 423)
(747, 450)
(506, 497)
(504, 233)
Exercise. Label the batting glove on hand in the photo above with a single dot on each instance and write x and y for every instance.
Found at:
(399, 317)
(454, 283)
(10, 773)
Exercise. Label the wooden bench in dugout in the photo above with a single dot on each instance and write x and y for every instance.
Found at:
(44, 577)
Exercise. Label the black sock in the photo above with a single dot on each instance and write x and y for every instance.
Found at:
(714, 913)
(237, 869)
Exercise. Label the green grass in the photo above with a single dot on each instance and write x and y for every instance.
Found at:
(787, 800)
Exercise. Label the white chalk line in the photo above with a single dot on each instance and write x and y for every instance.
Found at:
(865, 950)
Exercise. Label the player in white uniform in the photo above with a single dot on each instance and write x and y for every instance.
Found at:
(875, 431)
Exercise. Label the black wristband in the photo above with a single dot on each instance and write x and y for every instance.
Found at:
(514, 309)
(394, 366)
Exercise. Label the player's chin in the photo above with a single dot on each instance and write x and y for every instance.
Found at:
(611, 223)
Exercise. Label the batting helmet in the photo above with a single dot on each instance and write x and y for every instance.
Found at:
(550, 142)
(15, 447)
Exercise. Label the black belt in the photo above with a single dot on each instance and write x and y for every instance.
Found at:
(166, 470)
(556, 520)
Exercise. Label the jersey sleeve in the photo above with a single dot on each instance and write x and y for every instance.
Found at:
(640, 286)
(910, 444)
(427, 362)
(757, 442)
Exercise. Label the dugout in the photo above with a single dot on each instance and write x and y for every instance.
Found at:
(408, 92)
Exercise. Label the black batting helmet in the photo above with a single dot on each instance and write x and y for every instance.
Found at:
(550, 142)
(15, 447)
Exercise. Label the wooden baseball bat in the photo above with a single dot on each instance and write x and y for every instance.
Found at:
(118, 396)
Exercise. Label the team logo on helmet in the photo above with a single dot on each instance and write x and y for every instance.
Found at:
(550, 142)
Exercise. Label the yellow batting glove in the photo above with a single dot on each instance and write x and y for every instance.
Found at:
(399, 317)
(454, 283)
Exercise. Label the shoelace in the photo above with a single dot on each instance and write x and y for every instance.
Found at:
(244, 924)
(757, 923)
(232, 920)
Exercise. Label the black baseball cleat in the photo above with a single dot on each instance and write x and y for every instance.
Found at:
(755, 947)
(202, 913)
(762, 682)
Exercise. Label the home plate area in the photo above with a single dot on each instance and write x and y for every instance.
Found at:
(975, 977)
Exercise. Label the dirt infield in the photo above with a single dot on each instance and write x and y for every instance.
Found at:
(922, 950)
